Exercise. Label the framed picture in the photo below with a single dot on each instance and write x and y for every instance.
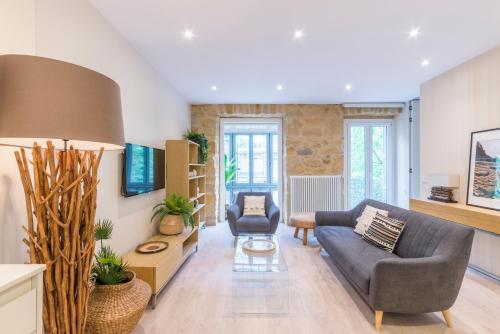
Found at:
(483, 189)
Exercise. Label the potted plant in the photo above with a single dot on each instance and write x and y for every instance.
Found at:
(200, 139)
(175, 212)
(118, 299)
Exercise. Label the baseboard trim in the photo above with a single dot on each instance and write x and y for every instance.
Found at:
(484, 272)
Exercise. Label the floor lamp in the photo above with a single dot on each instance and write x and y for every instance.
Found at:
(76, 112)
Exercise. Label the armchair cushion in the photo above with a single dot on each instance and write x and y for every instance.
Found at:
(253, 224)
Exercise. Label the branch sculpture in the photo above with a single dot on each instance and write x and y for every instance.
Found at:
(60, 190)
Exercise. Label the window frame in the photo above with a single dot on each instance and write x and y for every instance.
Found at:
(269, 161)
(250, 120)
(368, 124)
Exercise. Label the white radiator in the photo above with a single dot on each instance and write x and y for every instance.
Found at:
(316, 193)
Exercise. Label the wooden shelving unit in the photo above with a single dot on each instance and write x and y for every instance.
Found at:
(182, 159)
(157, 269)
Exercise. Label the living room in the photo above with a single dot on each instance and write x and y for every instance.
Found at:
(325, 167)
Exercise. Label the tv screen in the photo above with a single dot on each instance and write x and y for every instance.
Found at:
(143, 170)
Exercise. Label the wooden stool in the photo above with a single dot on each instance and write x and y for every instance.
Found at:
(305, 220)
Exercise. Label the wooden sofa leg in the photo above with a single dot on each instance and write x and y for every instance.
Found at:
(378, 319)
(447, 318)
(296, 233)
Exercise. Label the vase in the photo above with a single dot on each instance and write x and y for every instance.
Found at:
(116, 309)
(171, 224)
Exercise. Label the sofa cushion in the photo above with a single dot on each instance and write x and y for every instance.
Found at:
(252, 224)
(366, 218)
(355, 256)
(384, 232)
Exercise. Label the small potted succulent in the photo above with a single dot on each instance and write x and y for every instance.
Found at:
(118, 299)
(175, 212)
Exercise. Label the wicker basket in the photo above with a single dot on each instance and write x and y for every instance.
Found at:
(116, 309)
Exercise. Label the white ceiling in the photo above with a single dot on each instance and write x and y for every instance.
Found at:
(245, 47)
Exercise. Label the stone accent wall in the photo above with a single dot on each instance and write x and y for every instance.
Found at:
(313, 139)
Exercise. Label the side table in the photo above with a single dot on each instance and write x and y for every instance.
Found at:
(304, 220)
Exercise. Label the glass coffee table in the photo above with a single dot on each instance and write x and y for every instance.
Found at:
(260, 282)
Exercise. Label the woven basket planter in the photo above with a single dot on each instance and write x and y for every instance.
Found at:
(116, 309)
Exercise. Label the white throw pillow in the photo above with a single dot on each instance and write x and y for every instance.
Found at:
(254, 206)
(366, 218)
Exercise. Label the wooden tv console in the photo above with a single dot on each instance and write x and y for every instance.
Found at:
(158, 268)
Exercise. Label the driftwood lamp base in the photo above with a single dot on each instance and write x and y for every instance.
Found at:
(60, 189)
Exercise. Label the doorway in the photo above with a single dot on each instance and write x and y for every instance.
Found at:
(369, 161)
(250, 159)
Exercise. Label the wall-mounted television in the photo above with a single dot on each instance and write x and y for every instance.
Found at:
(143, 170)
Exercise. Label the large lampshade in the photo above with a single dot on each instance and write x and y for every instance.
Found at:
(45, 99)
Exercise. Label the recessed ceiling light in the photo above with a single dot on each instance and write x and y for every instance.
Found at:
(188, 34)
(348, 87)
(214, 88)
(414, 32)
(425, 62)
(298, 34)
(279, 87)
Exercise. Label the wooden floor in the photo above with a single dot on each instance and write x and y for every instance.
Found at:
(321, 300)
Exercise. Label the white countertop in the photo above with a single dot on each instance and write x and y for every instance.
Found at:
(12, 274)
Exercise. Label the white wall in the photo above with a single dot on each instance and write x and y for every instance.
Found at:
(454, 104)
(17, 35)
(153, 111)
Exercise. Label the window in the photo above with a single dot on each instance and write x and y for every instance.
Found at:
(368, 161)
(257, 164)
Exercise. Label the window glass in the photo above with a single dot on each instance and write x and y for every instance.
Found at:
(379, 164)
(242, 154)
(357, 165)
(260, 159)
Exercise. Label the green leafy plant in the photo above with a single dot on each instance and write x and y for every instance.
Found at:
(229, 169)
(108, 268)
(103, 230)
(175, 205)
(200, 139)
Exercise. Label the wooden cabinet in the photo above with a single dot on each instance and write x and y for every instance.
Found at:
(21, 298)
(158, 268)
(483, 219)
(186, 177)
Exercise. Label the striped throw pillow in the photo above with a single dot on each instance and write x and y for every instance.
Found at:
(384, 232)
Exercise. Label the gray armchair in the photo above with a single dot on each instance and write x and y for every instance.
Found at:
(240, 224)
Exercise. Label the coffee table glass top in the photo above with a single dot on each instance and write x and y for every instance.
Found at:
(245, 261)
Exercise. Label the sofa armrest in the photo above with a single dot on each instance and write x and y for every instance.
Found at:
(334, 218)
(416, 285)
(273, 214)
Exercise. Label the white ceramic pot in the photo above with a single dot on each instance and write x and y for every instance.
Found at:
(171, 224)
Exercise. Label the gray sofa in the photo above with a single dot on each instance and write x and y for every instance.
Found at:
(240, 224)
(425, 272)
